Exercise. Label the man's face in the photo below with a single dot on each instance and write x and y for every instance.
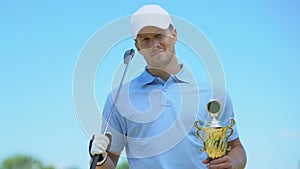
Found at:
(156, 45)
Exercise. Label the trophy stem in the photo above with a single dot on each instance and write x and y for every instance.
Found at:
(214, 123)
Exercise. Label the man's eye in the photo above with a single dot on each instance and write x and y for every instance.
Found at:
(159, 35)
(145, 40)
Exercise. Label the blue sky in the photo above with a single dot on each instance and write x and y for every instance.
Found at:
(257, 42)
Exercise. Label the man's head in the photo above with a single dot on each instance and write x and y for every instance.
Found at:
(154, 34)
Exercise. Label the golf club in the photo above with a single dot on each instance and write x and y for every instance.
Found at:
(128, 55)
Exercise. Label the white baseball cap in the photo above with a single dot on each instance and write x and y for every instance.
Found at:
(149, 15)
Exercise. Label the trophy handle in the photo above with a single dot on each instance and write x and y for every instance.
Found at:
(232, 122)
(198, 133)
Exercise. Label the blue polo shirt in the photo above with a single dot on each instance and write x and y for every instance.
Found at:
(153, 120)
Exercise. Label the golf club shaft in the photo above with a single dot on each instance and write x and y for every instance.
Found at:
(117, 94)
(127, 59)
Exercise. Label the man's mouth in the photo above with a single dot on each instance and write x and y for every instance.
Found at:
(157, 52)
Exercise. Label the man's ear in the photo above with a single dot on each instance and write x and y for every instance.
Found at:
(174, 35)
(137, 46)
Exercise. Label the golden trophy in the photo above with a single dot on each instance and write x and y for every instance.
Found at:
(214, 134)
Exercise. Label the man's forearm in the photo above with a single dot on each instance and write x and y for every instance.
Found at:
(111, 161)
(237, 154)
(108, 164)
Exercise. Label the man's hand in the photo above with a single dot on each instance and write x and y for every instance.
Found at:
(234, 159)
(99, 144)
(224, 162)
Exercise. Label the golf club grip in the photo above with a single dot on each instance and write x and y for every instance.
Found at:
(96, 158)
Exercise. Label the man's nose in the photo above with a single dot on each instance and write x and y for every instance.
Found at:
(155, 42)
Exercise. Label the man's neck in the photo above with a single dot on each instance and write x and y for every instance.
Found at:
(164, 73)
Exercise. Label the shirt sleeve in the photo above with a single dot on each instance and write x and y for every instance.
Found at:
(227, 116)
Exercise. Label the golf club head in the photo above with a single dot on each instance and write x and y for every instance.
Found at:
(128, 55)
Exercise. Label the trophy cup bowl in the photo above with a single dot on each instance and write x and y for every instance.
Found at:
(215, 141)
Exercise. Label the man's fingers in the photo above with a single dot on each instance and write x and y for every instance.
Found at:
(206, 161)
(223, 162)
(217, 161)
(109, 135)
(100, 144)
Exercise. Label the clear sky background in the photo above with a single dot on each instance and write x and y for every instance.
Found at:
(258, 43)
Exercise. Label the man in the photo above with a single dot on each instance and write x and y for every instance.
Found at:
(154, 115)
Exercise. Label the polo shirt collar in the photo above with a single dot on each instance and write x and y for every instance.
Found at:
(146, 77)
(183, 76)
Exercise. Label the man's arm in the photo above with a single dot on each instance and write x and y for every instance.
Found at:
(111, 161)
(237, 154)
(235, 159)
